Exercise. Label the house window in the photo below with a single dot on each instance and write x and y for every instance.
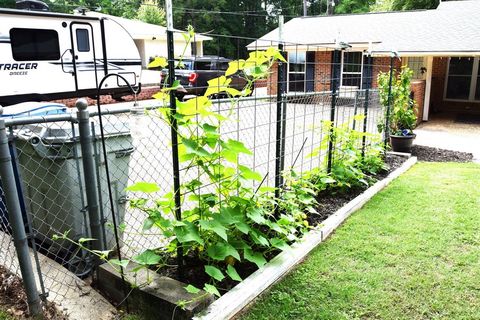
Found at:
(463, 79)
(83, 41)
(352, 67)
(296, 71)
(301, 71)
(34, 44)
(417, 65)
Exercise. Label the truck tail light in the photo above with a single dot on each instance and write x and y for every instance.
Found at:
(192, 77)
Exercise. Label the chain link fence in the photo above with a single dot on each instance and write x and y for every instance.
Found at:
(50, 175)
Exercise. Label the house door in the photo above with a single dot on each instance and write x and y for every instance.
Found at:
(84, 63)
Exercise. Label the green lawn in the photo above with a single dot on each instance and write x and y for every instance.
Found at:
(4, 315)
(413, 252)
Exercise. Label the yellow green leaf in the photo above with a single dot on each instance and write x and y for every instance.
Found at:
(158, 62)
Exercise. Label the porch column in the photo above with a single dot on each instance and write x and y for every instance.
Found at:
(428, 89)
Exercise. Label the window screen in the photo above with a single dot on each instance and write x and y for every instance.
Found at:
(34, 44)
(83, 40)
(459, 78)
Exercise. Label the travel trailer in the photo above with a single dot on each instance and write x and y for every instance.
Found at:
(46, 56)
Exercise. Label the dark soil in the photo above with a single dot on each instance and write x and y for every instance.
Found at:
(13, 299)
(329, 203)
(430, 154)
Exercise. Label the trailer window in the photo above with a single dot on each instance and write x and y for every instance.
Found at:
(34, 44)
(83, 42)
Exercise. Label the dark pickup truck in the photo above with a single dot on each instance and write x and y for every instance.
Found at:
(195, 72)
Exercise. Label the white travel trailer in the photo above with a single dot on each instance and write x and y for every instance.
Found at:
(46, 56)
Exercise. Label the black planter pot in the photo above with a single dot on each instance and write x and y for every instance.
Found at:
(402, 143)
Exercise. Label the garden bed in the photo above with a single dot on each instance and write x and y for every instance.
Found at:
(245, 292)
(431, 154)
(329, 203)
(280, 262)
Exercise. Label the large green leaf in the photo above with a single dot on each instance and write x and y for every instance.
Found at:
(259, 238)
(221, 250)
(229, 215)
(123, 263)
(234, 66)
(187, 233)
(217, 85)
(256, 214)
(147, 258)
(237, 146)
(279, 244)
(193, 147)
(255, 257)
(233, 274)
(146, 187)
(211, 289)
(249, 174)
(192, 289)
(158, 62)
(215, 226)
(194, 106)
(214, 272)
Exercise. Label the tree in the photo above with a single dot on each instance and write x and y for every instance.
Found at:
(396, 5)
(151, 14)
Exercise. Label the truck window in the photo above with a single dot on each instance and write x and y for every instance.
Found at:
(203, 65)
(83, 40)
(222, 66)
(34, 44)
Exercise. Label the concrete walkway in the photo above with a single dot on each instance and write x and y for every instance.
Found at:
(445, 133)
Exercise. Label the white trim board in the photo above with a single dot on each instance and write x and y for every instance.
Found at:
(246, 291)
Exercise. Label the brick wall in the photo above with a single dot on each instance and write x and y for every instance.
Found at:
(323, 70)
(145, 94)
(418, 90)
(272, 80)
(382, 64)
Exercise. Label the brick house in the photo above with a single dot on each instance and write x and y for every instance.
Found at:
(441, 46)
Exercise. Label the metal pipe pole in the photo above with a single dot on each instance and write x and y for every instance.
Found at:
(279, 152)
(174, 126)
(335, 81)
(89, 174)
(16, 220)
(304, 8)
(368, 83)
(389, 102)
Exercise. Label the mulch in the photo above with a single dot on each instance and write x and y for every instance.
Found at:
(430, 154)
(329, 203)
(13, 299)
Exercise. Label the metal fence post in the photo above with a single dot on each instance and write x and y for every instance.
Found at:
(335, 82)
(387, 115)
(174, 127)
(18, 228)
(365, 115)
(368, 83)
(89, 173)
(280, 128)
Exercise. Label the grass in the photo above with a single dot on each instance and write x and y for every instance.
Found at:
(413, 252)
(4, 315)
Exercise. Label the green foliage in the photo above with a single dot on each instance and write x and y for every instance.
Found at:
(151, 14)
(402, 118)
(350, 169)
(228, 221)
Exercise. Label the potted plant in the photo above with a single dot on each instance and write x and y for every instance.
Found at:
(399, 109)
